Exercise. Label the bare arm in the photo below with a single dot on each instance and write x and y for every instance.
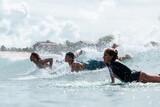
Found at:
(112, 77)
(48, 61)
(77, 54)
(77, 67)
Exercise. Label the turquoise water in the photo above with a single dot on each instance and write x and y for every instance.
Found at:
(22, 85)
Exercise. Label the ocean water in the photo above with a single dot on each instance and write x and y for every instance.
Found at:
(134, 24)
(23, 85)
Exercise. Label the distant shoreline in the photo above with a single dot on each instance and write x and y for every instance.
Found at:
(14, 54)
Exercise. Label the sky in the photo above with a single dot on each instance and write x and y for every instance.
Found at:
(24, 22)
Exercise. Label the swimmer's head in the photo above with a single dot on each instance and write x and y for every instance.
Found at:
(110, 55)
(34, 57)
(69, 57)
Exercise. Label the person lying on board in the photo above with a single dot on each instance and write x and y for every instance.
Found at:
(79, 66)
(39, 62)
(91, 64)
(122, 72)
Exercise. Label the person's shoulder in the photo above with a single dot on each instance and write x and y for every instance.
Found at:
(77, 65)
(120, 64)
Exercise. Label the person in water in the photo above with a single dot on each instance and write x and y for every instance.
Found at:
(122, 72)
(89, 65)
(77, 66)
(41, 63)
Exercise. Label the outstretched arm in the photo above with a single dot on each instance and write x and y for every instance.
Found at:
(77, 54)
(48, 62)
(77, 67)
(112, 77)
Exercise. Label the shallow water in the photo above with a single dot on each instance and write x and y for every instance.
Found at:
(46, 93)
(24, 85)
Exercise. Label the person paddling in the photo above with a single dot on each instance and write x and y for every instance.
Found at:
(39, 62)
(79, 66)
(122, 72)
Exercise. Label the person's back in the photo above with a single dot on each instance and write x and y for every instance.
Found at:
(94, 64)
(121, 71)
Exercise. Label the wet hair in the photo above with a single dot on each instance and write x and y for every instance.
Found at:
(112, 52)
(33, 54)
(70, 54)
